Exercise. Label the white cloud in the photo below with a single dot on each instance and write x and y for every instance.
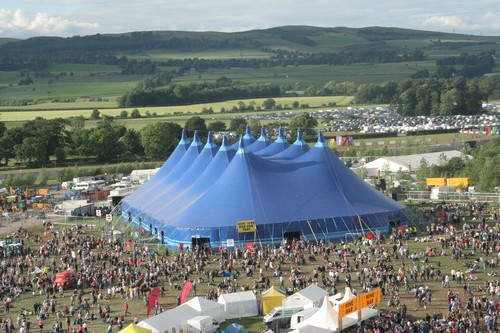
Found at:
(20, 23)
(489, 21)
(26, 18)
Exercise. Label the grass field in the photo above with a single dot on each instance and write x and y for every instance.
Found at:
(137, 308)
(65, 110)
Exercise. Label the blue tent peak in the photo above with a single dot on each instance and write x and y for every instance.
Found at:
(210, 142)
(300, 141)
(225, 146)
(241, 148)
(263, 135)
(184, 138)
(196, 140)
(321, 140)
(281, 136)
(248, 133)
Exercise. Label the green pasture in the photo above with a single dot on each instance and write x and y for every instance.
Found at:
(162, 55)
(315, 75)
(29, 112)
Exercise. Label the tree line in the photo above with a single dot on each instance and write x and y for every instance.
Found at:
(40, 142)
(482, 168)
(176, 94)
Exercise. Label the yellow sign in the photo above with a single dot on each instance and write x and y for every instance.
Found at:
(370, 298)
(246, 226)
(348, 307)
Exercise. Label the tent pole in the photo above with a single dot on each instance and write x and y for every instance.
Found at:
(310, 227)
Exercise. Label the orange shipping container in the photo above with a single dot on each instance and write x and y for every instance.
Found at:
(435, 181)
(460, 182)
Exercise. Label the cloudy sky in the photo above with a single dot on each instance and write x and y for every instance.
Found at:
(28, 18)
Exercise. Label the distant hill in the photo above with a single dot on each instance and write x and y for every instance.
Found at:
(291, 38)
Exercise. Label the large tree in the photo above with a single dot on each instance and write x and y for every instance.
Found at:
(195, 123)
(105, 140)
(304, 122)
(159, 139)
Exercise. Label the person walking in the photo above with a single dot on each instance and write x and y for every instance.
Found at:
(125, 309)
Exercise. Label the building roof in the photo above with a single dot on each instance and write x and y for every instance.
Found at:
(411, 162)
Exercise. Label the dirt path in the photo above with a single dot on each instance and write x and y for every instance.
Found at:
(6, 228)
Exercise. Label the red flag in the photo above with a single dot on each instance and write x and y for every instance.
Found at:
(488, 131)
(185, 291)
(153, 297)
(344, 141)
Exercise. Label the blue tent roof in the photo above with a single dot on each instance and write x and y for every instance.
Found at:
(298, 148)
(180, 168)
(313, 194)
(191, 174)
(279, 145)
(165, 169)
(248, 139)
(174, 204)
(261, 143)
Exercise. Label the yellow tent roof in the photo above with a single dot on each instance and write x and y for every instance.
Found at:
(133, 328)
(273, 292)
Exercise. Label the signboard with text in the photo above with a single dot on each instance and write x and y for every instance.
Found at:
(246, 226)
(348, 307)
(369, 298)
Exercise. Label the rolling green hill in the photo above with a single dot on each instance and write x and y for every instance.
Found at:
(99, 68)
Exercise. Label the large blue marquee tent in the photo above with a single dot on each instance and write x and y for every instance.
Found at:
(285, 190)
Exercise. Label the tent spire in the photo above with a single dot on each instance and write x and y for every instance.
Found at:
(224, 145)
(184, 138)
(321, 140)
(299, 135)
(196, 139)
(263, 134)
(248, 132)
(241, 148)
(281, 136)
(210, 141)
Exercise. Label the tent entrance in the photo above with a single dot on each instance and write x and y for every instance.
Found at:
(290, 236)
(200, 241)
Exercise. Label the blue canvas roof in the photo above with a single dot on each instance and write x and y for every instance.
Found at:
(181, 201)
(296, 149)
(261, 143)
(248, 139)
(180, 168)
(165, 169)
(279, 145)
(312, 193)
(253, 188)
(194, 171)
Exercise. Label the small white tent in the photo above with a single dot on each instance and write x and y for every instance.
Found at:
(309, 297)
(326, 317)
(170, 321)
(206, 307)
(239, 305)
(311, 329)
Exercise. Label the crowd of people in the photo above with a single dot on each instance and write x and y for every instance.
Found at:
(107, 269)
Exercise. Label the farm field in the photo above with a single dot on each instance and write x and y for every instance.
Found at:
(65, 110)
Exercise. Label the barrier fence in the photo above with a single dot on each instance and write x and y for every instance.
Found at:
(450, 196)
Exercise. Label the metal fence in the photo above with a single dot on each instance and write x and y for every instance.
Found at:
(450, 196)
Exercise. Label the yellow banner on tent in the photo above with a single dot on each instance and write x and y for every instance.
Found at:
(246, 226)
(348, 307)
(369, 298)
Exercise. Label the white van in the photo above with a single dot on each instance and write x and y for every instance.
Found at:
(301, 316)
(100, 184)
(282, 315)
(83, 186)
